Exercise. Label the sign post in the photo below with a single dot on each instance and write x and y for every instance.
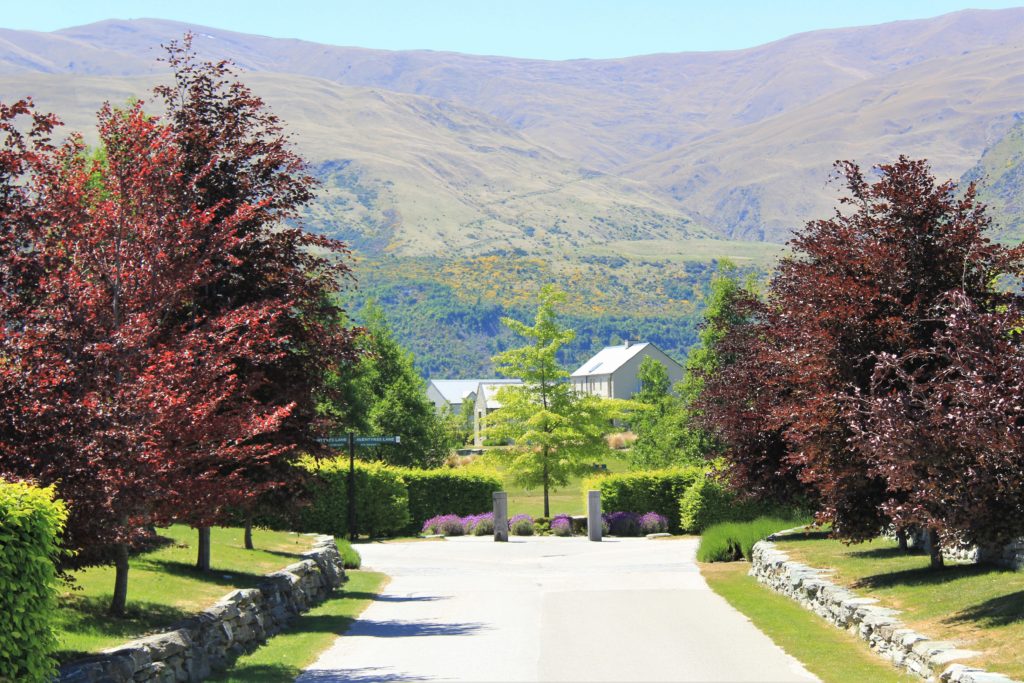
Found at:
(354, 441)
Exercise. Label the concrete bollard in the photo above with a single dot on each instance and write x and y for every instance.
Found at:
(500, 499)
(594, 515)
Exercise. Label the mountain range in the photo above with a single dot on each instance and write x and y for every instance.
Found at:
(464, 182)
(433, 152)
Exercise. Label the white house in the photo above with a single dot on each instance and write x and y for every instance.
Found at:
(487, 402)
(612, 373)
(451, 393)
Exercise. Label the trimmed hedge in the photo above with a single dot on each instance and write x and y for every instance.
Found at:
(382, 500)
(447, 491)
(654, 491)
(31, 522)
(709, 502)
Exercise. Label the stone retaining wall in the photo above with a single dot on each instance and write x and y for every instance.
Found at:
(1011, 555)
(212, 639)
(879, 626)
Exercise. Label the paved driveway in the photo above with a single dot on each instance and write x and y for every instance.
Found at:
(548, 609)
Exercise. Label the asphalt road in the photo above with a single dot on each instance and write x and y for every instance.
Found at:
(548, 609)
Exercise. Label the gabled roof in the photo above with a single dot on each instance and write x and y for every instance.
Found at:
(609, 359)
(490, 390)
(455, 390)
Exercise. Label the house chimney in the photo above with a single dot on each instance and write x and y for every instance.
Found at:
(627, 343)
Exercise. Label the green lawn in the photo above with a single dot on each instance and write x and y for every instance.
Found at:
(832, 654)
(288, 653)
(164, 586)
(978, 607)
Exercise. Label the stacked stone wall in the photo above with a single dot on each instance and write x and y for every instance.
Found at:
(879, 626)
(209, 641)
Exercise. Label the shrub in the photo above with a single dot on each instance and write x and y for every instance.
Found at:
(448, 525)
(709, 502)
(446, 491)
(656, 490)
(479, 525)
(653, 523)
(623, 523)
(521, 525)
(349, 556)
(31, 522)
(561, 525)
(730, 541)
(382, 501)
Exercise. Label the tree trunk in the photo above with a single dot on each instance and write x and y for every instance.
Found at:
(203, 557)
(935, 549)
(248, 533)
(901, 539)
(120, 599)
(547, 508)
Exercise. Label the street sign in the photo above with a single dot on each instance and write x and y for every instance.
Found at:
(339, 441)
(374, 440)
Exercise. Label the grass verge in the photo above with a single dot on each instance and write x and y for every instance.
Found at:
(164, 586)
(833, 655)
(288, 653)
(978, 607)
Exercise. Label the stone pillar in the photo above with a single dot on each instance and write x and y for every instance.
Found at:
(594, 515)
(500, 515)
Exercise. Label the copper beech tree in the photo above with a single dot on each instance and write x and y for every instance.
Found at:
(162, 340)
(850, 325)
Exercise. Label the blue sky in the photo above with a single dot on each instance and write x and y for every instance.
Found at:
(541, 29)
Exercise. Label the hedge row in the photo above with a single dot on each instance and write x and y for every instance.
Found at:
(389, 500)
(689, 497)
(31, 522)
(654, 491)
(441, 492)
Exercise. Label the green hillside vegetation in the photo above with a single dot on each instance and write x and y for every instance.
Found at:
(1000, 178)
(448, 313)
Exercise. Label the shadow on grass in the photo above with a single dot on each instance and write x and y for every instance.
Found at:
(366, 675)
(924, 576)
(884, 553)
(281, 553)
(80, 614)
(1001, 611)
(804, 536)
(218, 577)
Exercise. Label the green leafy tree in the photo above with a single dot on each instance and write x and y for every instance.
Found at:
(668, 432)
(553, 432)
(394, 401)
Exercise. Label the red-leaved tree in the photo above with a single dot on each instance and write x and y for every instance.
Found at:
(238, 159)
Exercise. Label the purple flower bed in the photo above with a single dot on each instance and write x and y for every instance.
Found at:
(653, 523)
(561, 525)
(622, 523)
(449, 525)
(479, 525)
(521, 525)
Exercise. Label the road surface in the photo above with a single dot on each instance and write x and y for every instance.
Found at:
(548, 609)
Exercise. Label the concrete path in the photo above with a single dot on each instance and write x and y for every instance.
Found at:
(548, 609)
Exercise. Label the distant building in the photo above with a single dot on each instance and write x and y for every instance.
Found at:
(612, 372)
(452, 393)
(487, 402)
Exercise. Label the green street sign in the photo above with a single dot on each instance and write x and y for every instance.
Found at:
(339, 441)
(375, 440)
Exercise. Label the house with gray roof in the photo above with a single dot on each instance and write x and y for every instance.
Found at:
(612, 372)
(487, 402)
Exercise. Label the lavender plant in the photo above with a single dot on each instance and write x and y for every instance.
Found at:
(653, 523)
(521, 525)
